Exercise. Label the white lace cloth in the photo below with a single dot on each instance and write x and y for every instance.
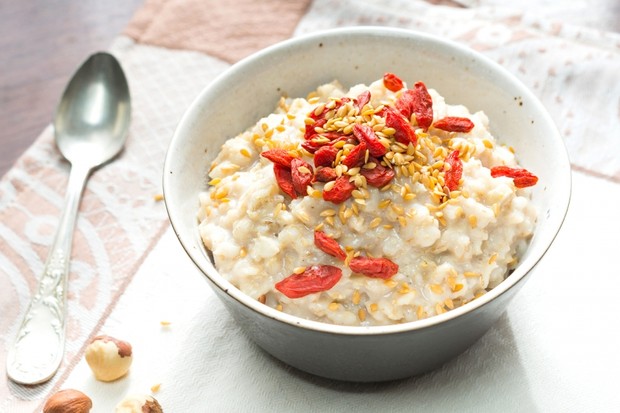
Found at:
(554, 350)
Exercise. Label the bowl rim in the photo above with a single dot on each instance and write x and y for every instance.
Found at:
(254, 305)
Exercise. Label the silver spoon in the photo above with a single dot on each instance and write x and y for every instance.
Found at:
(90, 126)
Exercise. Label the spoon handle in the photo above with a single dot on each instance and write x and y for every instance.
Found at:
(38, 348)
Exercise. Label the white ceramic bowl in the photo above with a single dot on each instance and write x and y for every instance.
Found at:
(250, 90)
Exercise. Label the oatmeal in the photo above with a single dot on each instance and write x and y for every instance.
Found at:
(376, 205)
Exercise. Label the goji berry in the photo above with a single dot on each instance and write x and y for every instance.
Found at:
(278, 156)
(340, 192)
(325, 156)
(454, 172)
(325, 174)
(405, 133)
(302, 174)
(314, 279)
(310, 146)
(310, 132)
(522, 178)
(362, 99)
(379, 176)
(284, 180)
(417, 101)
(356, 157)
(374, 267)
(454, 124)
(313, 144)
(366, 134)
(328, 245)
(392, 82)
(333, 136)
(525, 181)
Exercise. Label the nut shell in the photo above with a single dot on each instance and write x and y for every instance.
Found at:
(139, 403)
(68, 401)
(108, 357)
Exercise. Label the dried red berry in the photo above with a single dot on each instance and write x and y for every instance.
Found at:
(302, 174)
(454, 124)
(366, 134)
(525, 181)
(379, 176)
(310, 132)
(325, 156)
(328, 245)
(417, 101)
(522, 178)
(314, 279)
(405, 133)
(313, 144)
(340, 192)
(325, 174)
(284, 180)
(454, 172)
(356, 157)
(374, 267)
(362, 99)
(278, 156)
(392, 82)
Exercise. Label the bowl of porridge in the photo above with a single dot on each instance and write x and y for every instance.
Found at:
(366, 201)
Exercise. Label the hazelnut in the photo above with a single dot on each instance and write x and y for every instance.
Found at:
(68, 401)
(138, 403)
(108, 358)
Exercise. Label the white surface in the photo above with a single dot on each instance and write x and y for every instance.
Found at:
(553, 351)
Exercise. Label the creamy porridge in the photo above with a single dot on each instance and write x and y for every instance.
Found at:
(376, 205)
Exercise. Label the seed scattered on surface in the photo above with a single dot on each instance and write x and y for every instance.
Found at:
(384, 203)
(457, 287)
(299, 270)
(329, 186)
(473, 221)
(375, 222)
(404, 288)
(158, 197)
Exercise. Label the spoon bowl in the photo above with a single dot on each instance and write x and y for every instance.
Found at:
(91, 126)
(94, 112)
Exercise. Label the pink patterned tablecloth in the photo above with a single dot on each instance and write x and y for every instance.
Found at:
(553, 350)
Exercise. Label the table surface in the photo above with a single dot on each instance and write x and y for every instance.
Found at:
(42, 42)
